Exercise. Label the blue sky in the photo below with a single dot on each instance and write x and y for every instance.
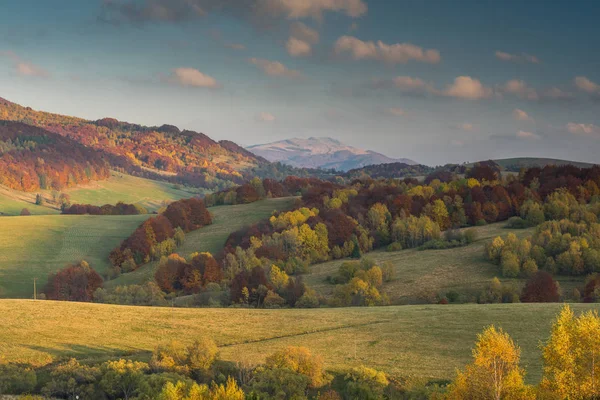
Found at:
(433, 80)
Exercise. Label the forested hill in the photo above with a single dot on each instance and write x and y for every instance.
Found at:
(32, 158)
(164, 152)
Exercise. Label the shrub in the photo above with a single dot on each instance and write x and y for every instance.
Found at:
(365, 383)
(25, 212)
(395, 246)
(16, 380)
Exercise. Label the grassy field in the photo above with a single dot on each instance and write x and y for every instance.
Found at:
(424, 341)
(120, 187)
(12, 202)
(31, 247)
(129, 189)
(226, 219)
(418, 273)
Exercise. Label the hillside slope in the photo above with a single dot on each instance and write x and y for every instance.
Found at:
(163, 153)
(325, 153)
(32, 247)
(32, 158)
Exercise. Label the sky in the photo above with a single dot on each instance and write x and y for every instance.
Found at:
(436, 81)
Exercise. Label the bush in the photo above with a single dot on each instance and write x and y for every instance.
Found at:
(396, 246)
(365, 384)
(16, 380)
(25, 212)
(516, 223)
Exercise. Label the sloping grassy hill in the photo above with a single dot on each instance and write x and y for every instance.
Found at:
(422, 273)
(212, 238)
(120, 187)
(32, 247)
(424, 341)
(129, 189)
(12, 202)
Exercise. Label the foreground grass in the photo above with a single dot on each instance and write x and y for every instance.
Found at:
(212, 238)
(420, 274)
(32, 247)
(129, 189)
(422, 341)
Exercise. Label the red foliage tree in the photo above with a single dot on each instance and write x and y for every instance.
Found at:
(540, 288)
(76, 282)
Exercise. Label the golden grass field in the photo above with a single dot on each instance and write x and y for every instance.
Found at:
(424, 341)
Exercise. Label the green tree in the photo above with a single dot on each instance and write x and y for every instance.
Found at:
(123, 379)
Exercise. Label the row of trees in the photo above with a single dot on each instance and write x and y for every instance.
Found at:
(108, 209)
(158, 236)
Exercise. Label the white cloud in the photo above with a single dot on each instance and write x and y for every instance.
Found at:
(304, 33)
(528, 135)
(465, 87)
(398, 53)
(297, 9)
(194, 78)
(265, 117)
(24, 68)
(586, 85)
(298, 48)
(413, 85)
(520, 89)
(275, 68)
(555, 93)
(396, 111)
(520, 115)
(584, 129)
(523, 57)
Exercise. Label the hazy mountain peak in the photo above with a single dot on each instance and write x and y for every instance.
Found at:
(320, 152)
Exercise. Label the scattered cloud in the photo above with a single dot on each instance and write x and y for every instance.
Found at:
(304, 33)
(23, 67)
(193, 78)
(297, 9)
(399, 53)
(265, 117)
(465, 87)
(586, 85)
(396, 111)
(521, 58)
(301, 40)
(298, 48)
(520, 115)
(275, 68)
(413, 85)
(555, 93)
(176, 11)
(583, 129)
(520, 89)
(528, 135)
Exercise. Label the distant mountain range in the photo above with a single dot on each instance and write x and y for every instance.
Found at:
(321, 152)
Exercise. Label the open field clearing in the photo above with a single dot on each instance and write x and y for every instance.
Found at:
(128, 189)
(212, 238)
(13, 201)
(425, 341)
(32, 247)
(464, 270)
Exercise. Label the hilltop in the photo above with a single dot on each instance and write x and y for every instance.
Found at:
(324, 153)
(163, 153)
